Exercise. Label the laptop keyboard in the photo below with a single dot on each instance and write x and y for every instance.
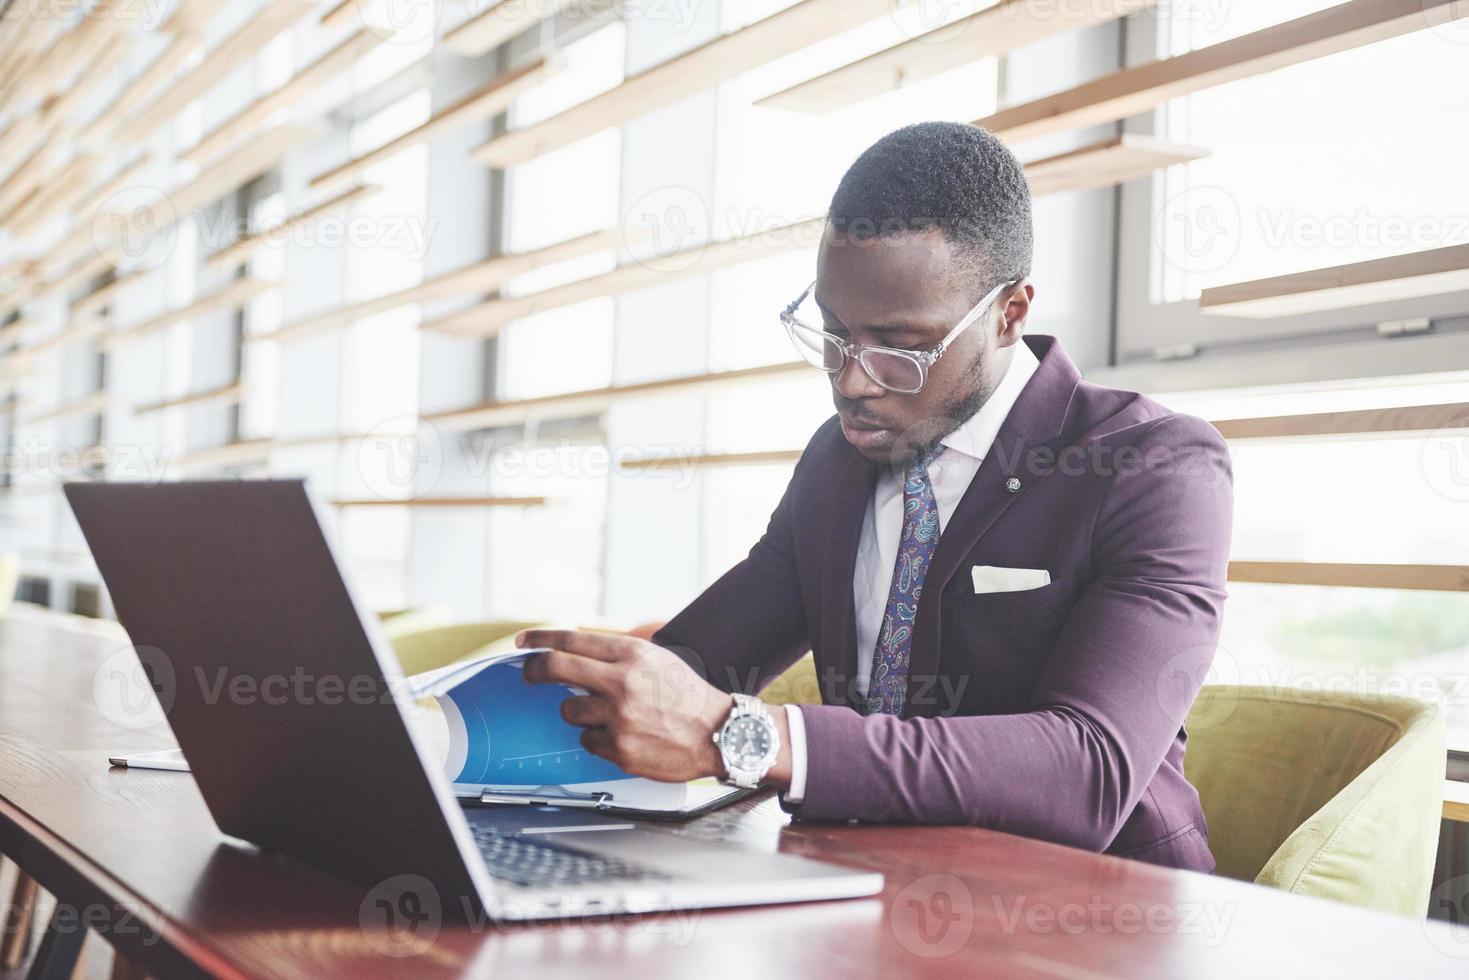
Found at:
(535, 864)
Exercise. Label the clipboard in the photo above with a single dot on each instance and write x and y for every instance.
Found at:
(698, 798)
(640, 798)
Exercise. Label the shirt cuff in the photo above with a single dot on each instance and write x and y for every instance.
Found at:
(796, 724)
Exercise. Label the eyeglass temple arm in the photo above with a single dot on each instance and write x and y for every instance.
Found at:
(790, 310)
(972, 315)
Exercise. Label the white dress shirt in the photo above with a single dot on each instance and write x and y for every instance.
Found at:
(950, 473)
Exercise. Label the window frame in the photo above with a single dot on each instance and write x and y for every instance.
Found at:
(1147, 332)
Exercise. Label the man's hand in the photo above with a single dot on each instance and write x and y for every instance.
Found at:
(646, 711)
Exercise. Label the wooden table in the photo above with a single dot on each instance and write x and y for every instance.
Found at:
(137, 856)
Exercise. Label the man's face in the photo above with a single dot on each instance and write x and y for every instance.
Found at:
(908, 292)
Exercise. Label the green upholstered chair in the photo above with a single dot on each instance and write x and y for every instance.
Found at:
(796, 686)
(9, 579)
(1328, 794)
(1337, 795)
(397, 622)
(439, 646)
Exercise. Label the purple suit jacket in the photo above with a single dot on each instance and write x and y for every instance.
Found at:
(1055, 713)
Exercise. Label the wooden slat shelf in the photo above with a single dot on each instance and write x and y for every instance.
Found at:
(1108, 163)
(228, 454)
(256, 450)
(238, 47)
(232, 171)
(41, 69)
(503, 21)
(1432, 578)
(344, 13)
(15, 330)
(93, 404)
(98, 254)
(718, 60)
(227, 299)
(240, 251)
(12, 372)
(675, 462)
(16, 270)
(15, 54)
(489, 317)
(19, 141)
(995, 30)
(480, 277)
(46, 270)
(98, 195)
(336, 61)
(57, 193)
(1100, 164)
(98, 298)
(24, 177)
(185, 27)
(230, 394)
(60, 115)
(1397, 277)
(1456, 801)
(181, 47)
(79, 329)
(192, 17)
(1405, 420)
(1361, 422)
(485, 103)
(54, 555)
(82, 273)
(1348, 25)
(576, 403)
(447, 502)
(57, 122)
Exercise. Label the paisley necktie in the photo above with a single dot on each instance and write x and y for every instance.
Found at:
(889, 682)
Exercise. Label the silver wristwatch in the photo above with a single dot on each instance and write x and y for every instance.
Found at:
(749, 742)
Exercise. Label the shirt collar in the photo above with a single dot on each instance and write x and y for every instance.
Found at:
(976, 436)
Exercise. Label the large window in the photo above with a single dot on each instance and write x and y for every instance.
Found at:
(570, 348)
(1318, 165)
(387, 239)
(1342, 159)
(1390, 500)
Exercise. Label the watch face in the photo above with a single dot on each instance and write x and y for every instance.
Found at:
(747, 742)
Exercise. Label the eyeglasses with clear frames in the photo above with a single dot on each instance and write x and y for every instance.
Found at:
(902, 371)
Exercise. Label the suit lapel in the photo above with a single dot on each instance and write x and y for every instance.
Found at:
(844, 533)
(1037, 421)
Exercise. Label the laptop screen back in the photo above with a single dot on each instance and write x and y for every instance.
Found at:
(271, 681)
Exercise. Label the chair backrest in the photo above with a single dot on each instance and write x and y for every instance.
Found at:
(9, 579)
(798, 685)
(1324, 793)
(399, 622)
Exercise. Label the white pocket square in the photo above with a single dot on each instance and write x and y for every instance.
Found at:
(993, 578)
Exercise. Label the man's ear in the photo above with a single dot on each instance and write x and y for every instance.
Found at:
(1017, 309)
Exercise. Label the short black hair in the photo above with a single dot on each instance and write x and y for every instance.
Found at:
(954, 177)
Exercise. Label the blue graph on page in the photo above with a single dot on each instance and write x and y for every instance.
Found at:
(515, 736)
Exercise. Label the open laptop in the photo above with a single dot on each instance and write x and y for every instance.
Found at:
(237, 579)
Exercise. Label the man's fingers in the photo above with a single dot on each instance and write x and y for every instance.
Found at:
(597, 741)
(560, 667)
(598, 646)
(588, 709)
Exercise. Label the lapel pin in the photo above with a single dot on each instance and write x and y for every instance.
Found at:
(1012, 485)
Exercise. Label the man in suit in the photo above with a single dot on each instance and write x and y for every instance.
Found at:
(1011, 579)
